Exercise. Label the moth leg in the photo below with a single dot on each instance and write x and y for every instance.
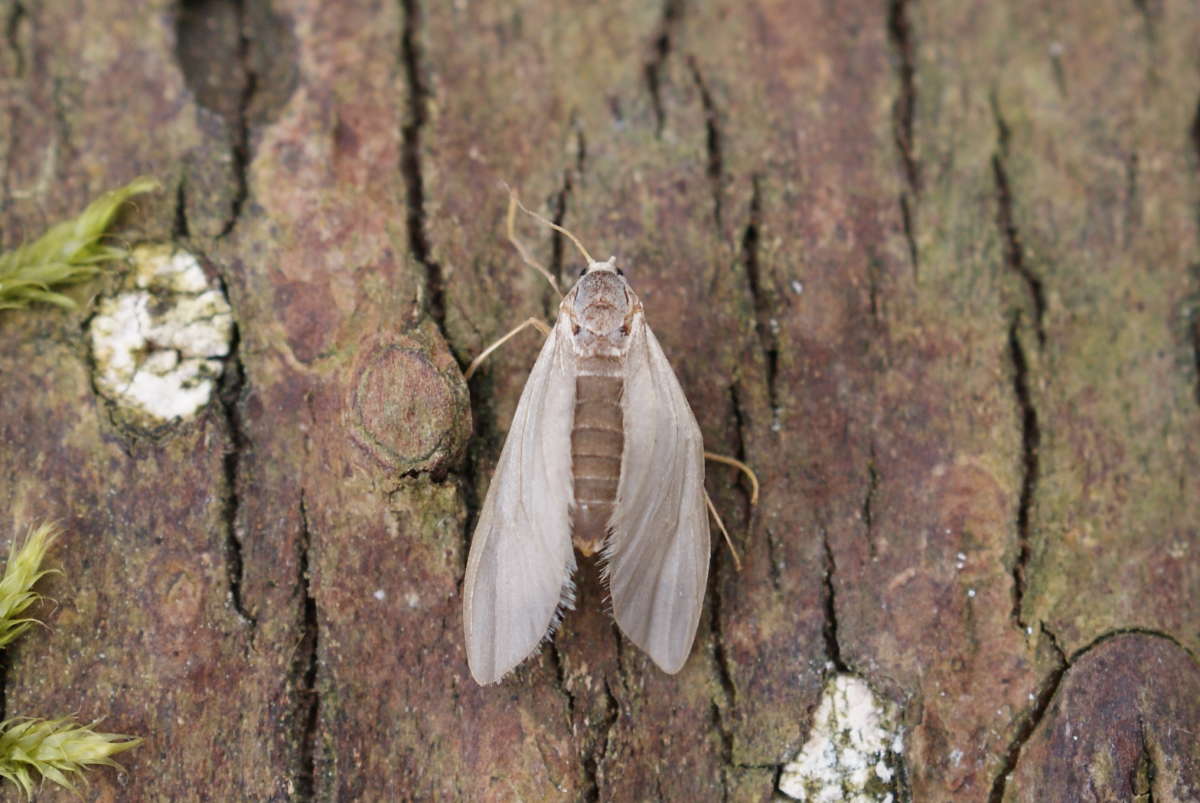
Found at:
(749, 472)
(740, 466)
(737, 560)
(536, 323)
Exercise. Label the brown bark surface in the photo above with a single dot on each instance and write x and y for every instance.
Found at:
(929, 266)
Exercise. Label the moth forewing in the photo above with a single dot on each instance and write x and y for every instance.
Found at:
(659, 547)
(520, 565)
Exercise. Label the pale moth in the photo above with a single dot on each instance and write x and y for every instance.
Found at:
(605, 453)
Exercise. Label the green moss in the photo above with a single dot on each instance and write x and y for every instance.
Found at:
(67, 253)
(16, 586)
(54, 749)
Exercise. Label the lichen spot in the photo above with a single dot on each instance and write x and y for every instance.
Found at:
(159, 344)
(853, 751)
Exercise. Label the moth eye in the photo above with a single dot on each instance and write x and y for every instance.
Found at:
(621, 273)
(582, 271)
(575, 329)
(625, 330)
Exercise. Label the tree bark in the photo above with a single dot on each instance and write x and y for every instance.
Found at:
(930, 267)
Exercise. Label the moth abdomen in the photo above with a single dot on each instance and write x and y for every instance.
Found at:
(597, 443)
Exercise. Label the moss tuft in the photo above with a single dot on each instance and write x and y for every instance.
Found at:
(16, 586)
(68, 252)
(56, 749)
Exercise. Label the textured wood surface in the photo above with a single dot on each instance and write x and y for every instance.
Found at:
(929, 266)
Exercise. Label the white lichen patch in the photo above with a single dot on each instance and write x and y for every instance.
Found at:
(853, 749)
(158, 346)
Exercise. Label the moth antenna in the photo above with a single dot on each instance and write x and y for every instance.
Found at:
(536, 323)
(514, 201)
(740, 466)
(737, 560)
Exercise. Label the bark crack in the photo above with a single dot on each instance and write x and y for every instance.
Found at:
(1194, 137)
(180, 229)
(558, 215)
(1029, 722)
(765, 326)
(1196, 344)
(716, 168)
(1030, 430)
(560, 205)
(903, 112)
(216, 51)
(241, 127)
(1142, 783)
(728, 690)
(410, 163)
(661, 50)
(1030, 440)
(1151, 13)
(724, 672)
(304, 671)
(910, 235)
(830, 631)
(12, 36)
(723, 665)
(1014, 251)
(868, 505)
(1054, 642)
(232, 388)
(486, 433)
(560, 675)
(593, 759)
(726, 749)
(741, 427)
(773, 569)
(1123, 631)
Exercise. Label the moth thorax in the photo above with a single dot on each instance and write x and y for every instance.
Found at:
(602, 303)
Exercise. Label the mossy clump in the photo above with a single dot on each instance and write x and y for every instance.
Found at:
(16, 586)
(54, 749)
(67, 253)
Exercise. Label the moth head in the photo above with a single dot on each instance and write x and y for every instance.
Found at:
(609, 265)
(602, 308)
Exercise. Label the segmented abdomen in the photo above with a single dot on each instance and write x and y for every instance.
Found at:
(597, 441)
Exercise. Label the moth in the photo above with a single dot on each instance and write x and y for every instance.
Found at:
(604, 454)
